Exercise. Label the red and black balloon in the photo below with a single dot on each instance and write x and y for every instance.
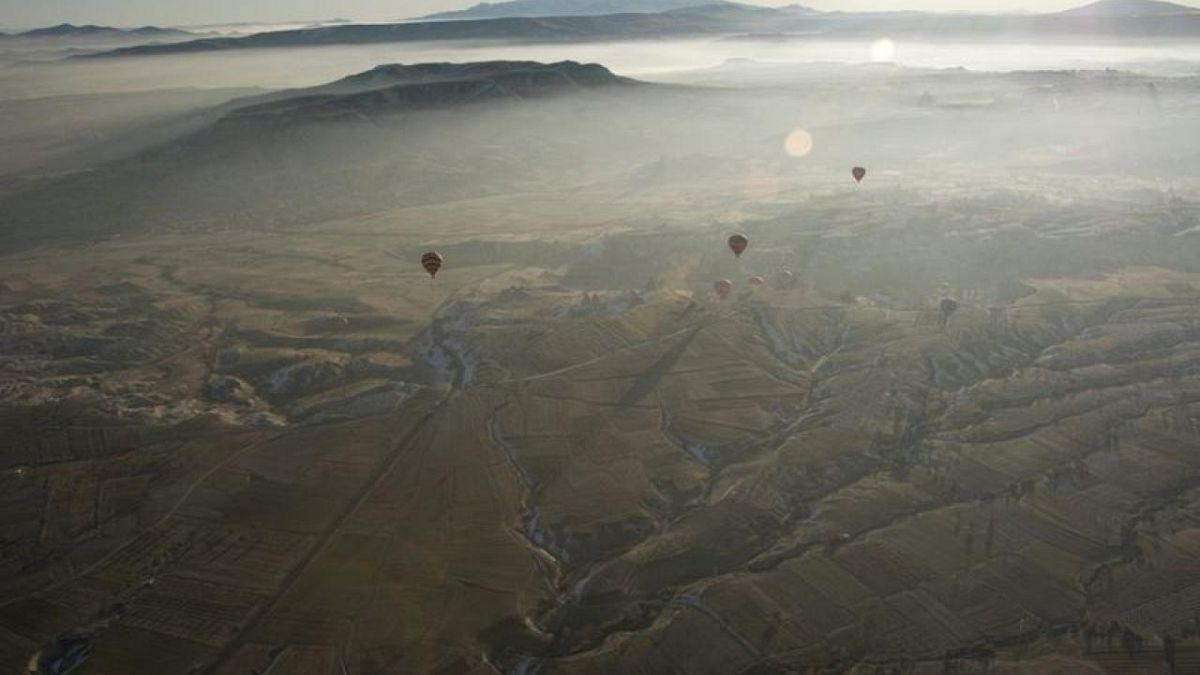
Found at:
(432, 262)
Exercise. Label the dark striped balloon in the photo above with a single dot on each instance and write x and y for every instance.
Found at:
(738, 244)
(722, 287)
(948, 306)
(432, 262)
(859, 173)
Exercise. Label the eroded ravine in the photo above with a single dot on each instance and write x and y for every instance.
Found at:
(914, 437)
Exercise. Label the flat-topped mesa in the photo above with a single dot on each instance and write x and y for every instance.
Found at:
(399, 88)
(584, 74)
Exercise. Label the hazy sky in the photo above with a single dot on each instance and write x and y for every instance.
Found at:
(19, 13)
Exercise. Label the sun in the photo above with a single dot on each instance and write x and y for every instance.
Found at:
(883, 51)
(799, 143)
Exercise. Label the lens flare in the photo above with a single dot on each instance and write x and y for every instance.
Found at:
(883, 51)
(799, 143)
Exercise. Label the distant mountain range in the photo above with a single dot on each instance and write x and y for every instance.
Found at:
(551, 29)
(398, 88)
(67, 30)
(548, 8)
(1132, 8)
(1145, 19)
(542, 8)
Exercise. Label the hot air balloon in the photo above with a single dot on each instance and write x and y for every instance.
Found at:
(948, 306)
(738, 244)
(432, 262)
(723, 287)
(859, 173)
(757, 281)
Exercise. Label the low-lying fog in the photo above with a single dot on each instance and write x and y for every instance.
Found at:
(274, 68)
(77, 114)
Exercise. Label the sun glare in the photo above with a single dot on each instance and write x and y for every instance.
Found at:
(799, 143)
(883, 51)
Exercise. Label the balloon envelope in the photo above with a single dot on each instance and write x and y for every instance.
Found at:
(859, 173)
(723, 288)
(757, 281)
(738, 244)
(948, 306)
(432, 262)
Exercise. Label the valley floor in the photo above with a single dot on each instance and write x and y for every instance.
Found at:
(293, 453)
